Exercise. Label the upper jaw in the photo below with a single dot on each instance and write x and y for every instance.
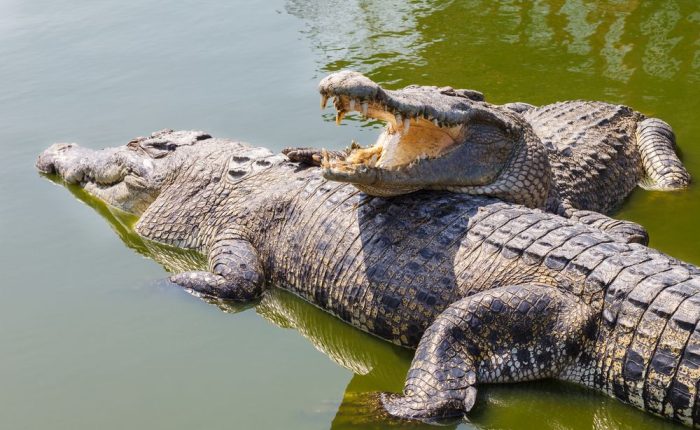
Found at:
(428, 139)
(443, 107)
(78, 165)
(113, 175)
(421, 122)
(75, 165)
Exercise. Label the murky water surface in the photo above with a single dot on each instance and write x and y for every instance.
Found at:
(90, 334)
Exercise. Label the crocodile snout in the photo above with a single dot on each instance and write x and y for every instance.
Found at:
(47, 160)
(67, 160)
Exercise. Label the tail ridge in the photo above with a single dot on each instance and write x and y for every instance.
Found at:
(664, 170)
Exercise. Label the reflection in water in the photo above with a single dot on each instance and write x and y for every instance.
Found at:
(659, 29)
(617, 39)
(380, 366)
(538, 32)
(348, 347)
(579, 26)
(614, 50)
(172, 259)
(364, 34)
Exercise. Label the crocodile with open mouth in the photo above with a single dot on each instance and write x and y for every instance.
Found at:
(577, 159)
(485, 291)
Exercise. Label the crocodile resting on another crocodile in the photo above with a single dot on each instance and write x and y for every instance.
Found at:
(486, 291)
(572, 158)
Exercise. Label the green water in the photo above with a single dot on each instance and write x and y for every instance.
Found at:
(90, 334)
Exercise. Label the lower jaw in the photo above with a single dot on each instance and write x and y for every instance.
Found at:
(385, 192)
(364, 175)
(116, 197)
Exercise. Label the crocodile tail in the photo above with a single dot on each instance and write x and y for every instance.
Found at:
(649, 336)
(664, 170)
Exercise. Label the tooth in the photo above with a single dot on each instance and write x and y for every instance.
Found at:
(324, 101)
(398, 119)
(352, 104)
(436, 122)
(373, 161)
(365, 108)
(325, 162)
(339, 117)
(406, 125)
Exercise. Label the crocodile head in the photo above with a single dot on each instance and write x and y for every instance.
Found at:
(130, 177)
(127, 177)
(435, 138)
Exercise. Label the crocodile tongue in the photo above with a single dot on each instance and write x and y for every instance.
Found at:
(405, 138)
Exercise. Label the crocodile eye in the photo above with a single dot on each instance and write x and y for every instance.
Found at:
(158, 148)
(164, 146)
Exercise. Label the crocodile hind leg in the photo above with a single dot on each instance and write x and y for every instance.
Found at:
(235, 271)
(628, 231)
(508, 334)
(656, 143)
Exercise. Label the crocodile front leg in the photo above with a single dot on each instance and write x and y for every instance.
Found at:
(235, 271)
(311, 156)
(508, 334)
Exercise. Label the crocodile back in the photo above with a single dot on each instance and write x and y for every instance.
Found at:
(593, 153)
(391, 266)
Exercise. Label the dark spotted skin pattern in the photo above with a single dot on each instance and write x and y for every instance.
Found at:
(486, 291)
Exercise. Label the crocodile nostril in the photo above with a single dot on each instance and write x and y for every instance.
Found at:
(263, 163)
(46, 167)
(236, 173)
(240, 159)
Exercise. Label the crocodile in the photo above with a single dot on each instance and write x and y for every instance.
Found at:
(485, 291)
(377, 365)
(579, 159)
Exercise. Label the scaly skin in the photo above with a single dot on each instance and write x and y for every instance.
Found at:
(485, 291)
(571, 158)
(599, 152)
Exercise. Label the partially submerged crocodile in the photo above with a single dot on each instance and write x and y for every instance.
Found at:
(569, 158)
(486, 291)
(376, 365)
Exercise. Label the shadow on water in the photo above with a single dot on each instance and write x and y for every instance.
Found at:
(380, 366)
